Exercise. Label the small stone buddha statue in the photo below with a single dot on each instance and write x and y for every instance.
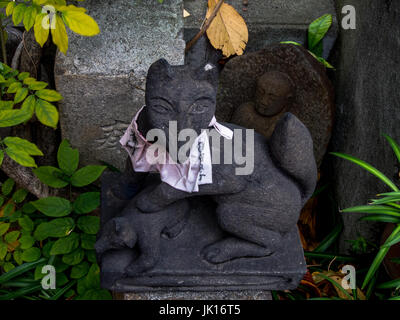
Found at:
(273, 98)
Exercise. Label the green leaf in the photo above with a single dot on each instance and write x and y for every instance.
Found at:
(88, 241)
(18, 14)
(47, 113)
(23, 75)
(38, 275)
(37, 85)
(89, 224)
(68, 158)
(49, 95)
(81, 23)
(3, 250)
(10, 118)
(28, 107)
(21, 157)
(8, 210)
(31, 254)
(90, 281)
(87, 202)
(47, 248)
(91, 256)
(4, 228)
(42, 34)
(86, 175)
(318, 29)
(369, 168)
(65, 245)
(26, 242)
(8, 266)
(1, 157)
(60, 227)
(61, 279)
(96, 294)
(10, 8)
(80, 270)
(21, 95)
(28, 208)
(50, 176)
(41, 233)
(53, 206)
(394, 240)
(29, 19)
(12, 236)
(23, 145)
(18, 257)
(74, 258)
(19, 196)
(26, 223)
(7, 186)
(13, 88)
(6, 105)
(59, 34)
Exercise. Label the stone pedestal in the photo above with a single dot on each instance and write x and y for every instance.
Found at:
(182, 273)
(102, 79)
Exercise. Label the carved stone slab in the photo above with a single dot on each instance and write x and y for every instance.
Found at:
(313, 101)
(102, 78)
(181, 267)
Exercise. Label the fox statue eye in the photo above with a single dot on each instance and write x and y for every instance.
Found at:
(159, 108)
(197, 108)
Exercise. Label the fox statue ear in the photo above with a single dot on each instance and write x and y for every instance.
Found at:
(160, 69)
(210, 73)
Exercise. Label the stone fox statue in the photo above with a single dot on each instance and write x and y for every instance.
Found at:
(256, 210)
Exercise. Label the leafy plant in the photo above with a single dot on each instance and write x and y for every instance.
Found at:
(22, 98)
(384, 209)
(53, 230)
(46, 16)
(316, 33)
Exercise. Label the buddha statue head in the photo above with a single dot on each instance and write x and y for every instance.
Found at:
(274, 93)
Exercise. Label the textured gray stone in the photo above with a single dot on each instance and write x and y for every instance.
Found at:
(270, 21)
(368, 103)
(188, 295)
(102, 78)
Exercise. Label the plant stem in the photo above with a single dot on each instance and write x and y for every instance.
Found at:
(205, 26)
(3, 41)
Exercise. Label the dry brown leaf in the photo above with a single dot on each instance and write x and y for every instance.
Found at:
(228, 31)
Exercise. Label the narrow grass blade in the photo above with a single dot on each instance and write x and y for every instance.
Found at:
(20, 270)
(320, 255)
(379, 258)
(394, 145)
(379, 209)
(369, 168)
(336, 285)
(380, 218)
(21, 292)
(389, 284)
(60, 292)
(330, 239)
(386, 200)
(394, 241)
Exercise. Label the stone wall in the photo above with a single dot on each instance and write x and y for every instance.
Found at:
(102, 79)
(368, 104)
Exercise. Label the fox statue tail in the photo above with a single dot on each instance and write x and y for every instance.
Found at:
(291, 147)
